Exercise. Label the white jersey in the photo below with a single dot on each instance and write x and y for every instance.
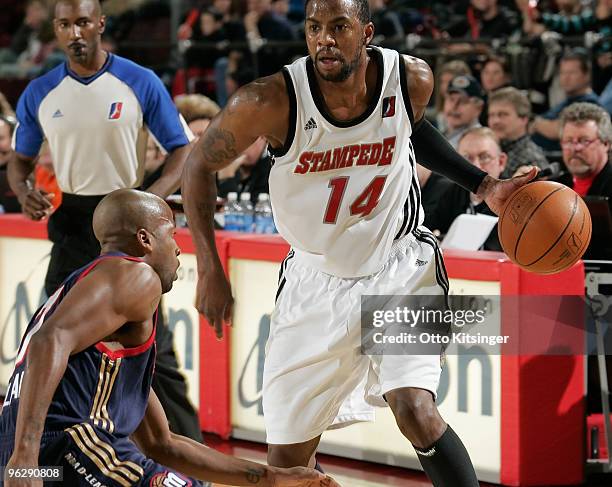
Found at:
(343, 191)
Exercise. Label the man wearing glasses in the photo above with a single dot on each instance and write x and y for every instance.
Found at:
(586, 135)
(480, 146)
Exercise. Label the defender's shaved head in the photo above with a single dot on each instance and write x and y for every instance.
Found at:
(97, 9)
(141, 225)
(123, 212)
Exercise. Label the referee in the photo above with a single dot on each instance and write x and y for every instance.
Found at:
(96, 110)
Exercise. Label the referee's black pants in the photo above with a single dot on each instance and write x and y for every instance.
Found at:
(75, 245)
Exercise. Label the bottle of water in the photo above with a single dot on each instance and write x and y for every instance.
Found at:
(246, 213)
(264, 222)
(231, 212)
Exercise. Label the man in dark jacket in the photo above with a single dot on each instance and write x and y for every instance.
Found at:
(481, 147)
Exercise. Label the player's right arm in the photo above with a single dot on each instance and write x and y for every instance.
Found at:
(116, 292)
(259, 109)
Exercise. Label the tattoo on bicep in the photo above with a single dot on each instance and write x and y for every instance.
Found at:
(253, 476)
(219, 145)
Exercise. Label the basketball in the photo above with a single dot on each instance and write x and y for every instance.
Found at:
(544, 227)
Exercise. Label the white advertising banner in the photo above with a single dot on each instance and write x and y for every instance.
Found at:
(184, 321)
(23, 266)
(469, 394)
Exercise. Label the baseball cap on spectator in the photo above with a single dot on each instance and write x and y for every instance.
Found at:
(467, 85)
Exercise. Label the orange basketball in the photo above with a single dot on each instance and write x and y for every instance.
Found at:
(545, 227)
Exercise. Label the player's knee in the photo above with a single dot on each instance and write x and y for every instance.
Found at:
(415, 411)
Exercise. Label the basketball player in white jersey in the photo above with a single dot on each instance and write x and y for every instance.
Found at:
(344, 125)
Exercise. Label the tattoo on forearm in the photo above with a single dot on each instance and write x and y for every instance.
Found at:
(218, 146)
(253, 476)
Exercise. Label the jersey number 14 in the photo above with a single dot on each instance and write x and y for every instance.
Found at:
(363, 204)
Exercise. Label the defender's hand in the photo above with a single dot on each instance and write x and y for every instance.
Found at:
(214, 299)
(301, 477)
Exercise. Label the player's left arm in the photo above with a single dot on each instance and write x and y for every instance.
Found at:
(199, 461)
(433, 151)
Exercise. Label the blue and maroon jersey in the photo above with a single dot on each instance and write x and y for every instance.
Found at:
(106, 388)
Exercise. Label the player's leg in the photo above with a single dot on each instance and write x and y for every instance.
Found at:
(293, 455)
(312, 364)
(440, 451)
(409, 382)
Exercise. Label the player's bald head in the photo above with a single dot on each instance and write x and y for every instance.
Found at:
(120, 215)
(96, 9)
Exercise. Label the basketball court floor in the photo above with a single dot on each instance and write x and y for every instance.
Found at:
(351, 473)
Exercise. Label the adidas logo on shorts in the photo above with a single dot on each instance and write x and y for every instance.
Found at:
(420, 263)
(311, 124)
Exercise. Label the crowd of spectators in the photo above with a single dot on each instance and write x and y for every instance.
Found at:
(505, 71)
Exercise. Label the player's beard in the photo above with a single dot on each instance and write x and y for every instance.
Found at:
(346, 69)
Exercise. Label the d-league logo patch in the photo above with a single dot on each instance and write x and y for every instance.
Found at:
(115, 110)
(388, 107)
(169, 479)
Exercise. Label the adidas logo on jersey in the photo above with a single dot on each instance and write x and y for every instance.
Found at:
(420, 263)
(58, 114)
(311, 124)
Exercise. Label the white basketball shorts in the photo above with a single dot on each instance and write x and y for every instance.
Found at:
(315, 376)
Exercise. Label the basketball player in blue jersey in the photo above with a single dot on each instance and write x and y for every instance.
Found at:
(81, 388)
(96, 111)
(345, 125)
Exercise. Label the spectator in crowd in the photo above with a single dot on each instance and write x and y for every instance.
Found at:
(281, 7)
(481, 147)
(483, 19)
(586, 138)
(233, 28)
(8, 200)
(249, 172)
(6, 134)
(197, 110)
(509, 114)
(444, 75)
(387, 24)
(262, 22)
(6, 110)
(27, 36)
(605, 99)
(463, 105)
(209, 30)
(575, 81)
(495, 74)
(94, 155)
(572, 19)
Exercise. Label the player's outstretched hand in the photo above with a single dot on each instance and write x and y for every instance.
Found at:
(301, 477)
(495, 192)
(214, 299)
(36, 204)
